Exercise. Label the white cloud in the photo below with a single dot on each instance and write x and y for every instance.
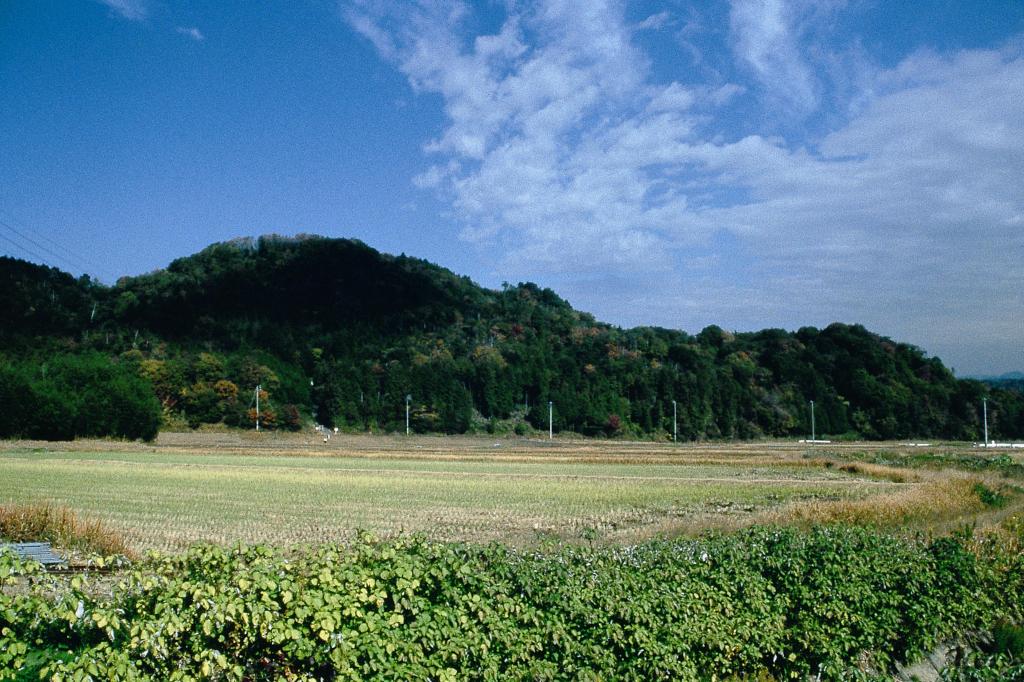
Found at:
(909, 218)
(766, 40)
(192, 32)
(363, 23)
(562, 153)
(133, 10)
(558, 138)
(654, 22)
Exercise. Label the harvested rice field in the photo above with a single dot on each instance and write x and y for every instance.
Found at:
(296, 489)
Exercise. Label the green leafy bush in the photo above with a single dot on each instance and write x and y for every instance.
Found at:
(989, 497)
(766, 602)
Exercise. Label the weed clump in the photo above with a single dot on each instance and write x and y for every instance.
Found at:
(60, 526)
(989, 497)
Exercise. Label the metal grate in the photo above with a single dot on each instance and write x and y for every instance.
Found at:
(40, 551)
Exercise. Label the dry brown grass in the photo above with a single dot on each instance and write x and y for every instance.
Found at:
(933, 502)
(886, 473)
(928, 503)
(1010, 533)
(60, 526)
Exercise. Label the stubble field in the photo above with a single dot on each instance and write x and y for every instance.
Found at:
(296, 489)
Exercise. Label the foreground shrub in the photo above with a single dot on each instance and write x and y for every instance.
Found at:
(766, 601)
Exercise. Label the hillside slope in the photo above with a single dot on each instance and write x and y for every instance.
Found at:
(333, 329)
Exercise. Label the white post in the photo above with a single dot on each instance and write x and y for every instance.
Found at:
(812, 422)
(675, 423)
(257, 407)
(551, 428)
(984, 408)
(408, 397)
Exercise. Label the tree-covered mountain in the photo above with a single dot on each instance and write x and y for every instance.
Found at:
(336, 331)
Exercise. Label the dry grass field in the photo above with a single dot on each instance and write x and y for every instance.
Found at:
(229, 487)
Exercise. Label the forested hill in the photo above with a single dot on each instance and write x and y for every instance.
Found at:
(337, 332)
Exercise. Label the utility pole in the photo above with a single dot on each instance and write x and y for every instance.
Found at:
(551, 427)
(812, 422)
(408, 397)
(675, 423)
(984, 409)
(257, 407)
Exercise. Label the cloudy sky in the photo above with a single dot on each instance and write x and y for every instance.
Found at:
(746, 163)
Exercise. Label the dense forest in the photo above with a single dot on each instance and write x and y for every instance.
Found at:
(338, 333)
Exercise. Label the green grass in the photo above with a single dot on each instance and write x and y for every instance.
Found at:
(169, 500)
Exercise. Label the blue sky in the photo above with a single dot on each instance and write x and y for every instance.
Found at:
(743, 163)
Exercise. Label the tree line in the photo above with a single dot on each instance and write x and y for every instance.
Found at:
(336, 332)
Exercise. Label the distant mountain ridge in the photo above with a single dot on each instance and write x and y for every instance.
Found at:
(1007, 376)
(335, 331)
(1010, 380)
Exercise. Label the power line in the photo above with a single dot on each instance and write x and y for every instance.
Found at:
(54, 254)
(30, 240)
(96, 267)
(77, 258)
(27, 250)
